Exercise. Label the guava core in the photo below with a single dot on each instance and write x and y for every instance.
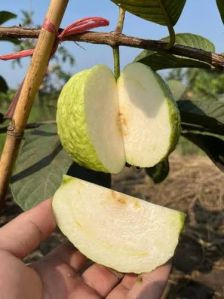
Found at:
(116, 230)
(103, 124)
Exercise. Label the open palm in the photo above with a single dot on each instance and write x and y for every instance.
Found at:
(65, 273)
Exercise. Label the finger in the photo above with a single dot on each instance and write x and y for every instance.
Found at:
(101, 279)
(150, 284)
(120, 292)
(23, 234)
(145, 286)
(69, 255)
(122, 289)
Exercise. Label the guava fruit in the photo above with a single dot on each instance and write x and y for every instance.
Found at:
(103, 124)
(116, 230)
(149, 118)
(87, 120)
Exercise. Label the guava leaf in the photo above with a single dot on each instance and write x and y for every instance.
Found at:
(3, 85)
(11, 40)
(193, 40)
(95, 177)
(163, 12)
(220, 5)
(159, 172)
(213, 146)
(6, 16)
(39, 167)
(206, 115)
(164, 60)
(177, 88)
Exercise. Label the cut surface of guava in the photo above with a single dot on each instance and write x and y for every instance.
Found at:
(116, 230)
(87, 120)
(149, 117)
(103, 124)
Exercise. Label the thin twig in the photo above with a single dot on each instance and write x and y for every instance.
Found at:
(116, 50)
(115, 39)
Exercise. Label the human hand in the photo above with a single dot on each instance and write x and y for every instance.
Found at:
(64, 273)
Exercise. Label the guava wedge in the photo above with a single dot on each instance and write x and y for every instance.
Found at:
(103, 124)
(87, 120)
(116, 230)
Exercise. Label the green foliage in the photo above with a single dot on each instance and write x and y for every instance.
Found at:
(177, 87)
(220, 4)
(163, 12)
(161, 60)
(39, 167)
(6, 16)
(202, 113)
(205, 115)
(159, 172)
(193, 40)
(3, 85)
(206, 84)
(213, 146)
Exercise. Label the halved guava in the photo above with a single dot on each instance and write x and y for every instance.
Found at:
(116, 230)
(103, 123)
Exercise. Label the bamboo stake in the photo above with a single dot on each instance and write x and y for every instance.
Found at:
(30, 87)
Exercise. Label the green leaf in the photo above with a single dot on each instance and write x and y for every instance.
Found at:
(163, 12)
(11, 40)
(39, 167)
(194, 41)
(6, 16)
(220, 4)
(177, 88)
(159, 172)
(203, 115)
(3, 85)
(211, 145)
(164, 60)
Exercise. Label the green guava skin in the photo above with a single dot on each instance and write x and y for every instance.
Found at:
(72, 124)
(174, 116)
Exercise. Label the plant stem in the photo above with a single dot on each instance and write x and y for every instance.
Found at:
(169, 26)
(29, 89)
(172, 37)
(113, 39)
(120, 23)
(116, 55)
(116, 50)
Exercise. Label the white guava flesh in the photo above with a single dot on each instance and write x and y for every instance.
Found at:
(103, 124)
(116, 230)
(149, 118)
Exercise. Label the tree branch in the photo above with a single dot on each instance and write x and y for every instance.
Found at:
(114, 39)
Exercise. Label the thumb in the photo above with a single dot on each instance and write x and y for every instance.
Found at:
(23, 234)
